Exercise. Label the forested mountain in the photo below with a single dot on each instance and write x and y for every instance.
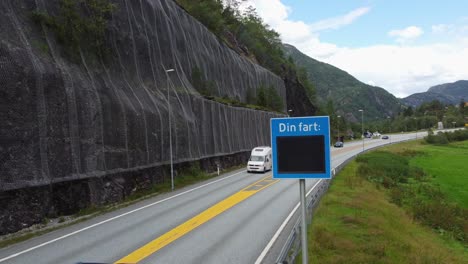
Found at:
(418, 99)
(246, 33)
(347, 94)
(456, 89)
(447, 93)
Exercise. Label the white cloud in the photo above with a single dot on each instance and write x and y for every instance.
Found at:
(337, 22)
(464, 41)
(441, 28)
(273, 12)
(464, 19)
(303, 36)
(313, 45)
(406, 34)
(400, 69)
(404, 70)
(294, 31)
(458, 30)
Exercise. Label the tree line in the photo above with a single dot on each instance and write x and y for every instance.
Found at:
(223, 19)
(424, 117)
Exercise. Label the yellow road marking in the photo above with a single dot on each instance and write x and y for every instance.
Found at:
(205, 216)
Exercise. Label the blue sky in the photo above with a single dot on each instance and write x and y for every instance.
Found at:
(382, 17)
(402, 46)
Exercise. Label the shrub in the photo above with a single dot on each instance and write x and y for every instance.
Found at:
(426, 202)
(261, 97)
(205, 87)
(439, 139)
(250, 97)
(78, 24)
(273, 100)
(457, 135)
(418, 174)
(442, 216)
(397, 196)
(384, 168)
(446, 137)
(193, 171)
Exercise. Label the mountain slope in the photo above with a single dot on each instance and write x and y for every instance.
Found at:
(417, 99)
(447, 93)
(456, 89)
(347, 93)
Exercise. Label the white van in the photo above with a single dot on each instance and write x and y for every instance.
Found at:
(260, 159)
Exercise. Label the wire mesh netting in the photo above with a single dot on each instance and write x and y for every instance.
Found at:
(68, 119)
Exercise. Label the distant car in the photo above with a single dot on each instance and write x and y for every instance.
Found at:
(338, 144)
(384, 137)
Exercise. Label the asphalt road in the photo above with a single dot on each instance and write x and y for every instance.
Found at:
(232, 218)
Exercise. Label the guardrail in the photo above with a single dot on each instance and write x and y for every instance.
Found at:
(292, 247)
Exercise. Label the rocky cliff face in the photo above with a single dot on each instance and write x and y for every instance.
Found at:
(65, 120)
(297, 99)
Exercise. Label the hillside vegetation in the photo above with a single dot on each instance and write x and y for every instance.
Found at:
(457, 89)
(447, 93)
(427, 116)
(246, 33)
(418, 99)
(384, 208)
(347, 94)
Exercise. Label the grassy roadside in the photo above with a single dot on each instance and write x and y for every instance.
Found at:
(187, 177)
(383, 216)
(450, 160)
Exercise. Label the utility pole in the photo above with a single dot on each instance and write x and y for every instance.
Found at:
(362, 128)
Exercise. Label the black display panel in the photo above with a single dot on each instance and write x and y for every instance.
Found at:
(301, 154)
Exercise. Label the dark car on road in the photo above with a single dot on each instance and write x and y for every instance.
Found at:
(384, 137)
(338, 144)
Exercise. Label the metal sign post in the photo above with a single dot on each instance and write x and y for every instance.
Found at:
(301, 150)
(302, 193)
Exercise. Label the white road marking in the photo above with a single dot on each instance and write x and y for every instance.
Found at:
(283, 225)
(113, 218)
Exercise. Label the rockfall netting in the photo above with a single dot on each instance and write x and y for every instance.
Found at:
(65, 119)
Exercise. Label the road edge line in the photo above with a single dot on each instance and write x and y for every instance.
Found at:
(280, 229)
(115, 217)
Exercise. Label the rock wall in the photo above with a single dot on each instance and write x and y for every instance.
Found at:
(76, 133)
(21, 208)
(297, 99)
(64, 120)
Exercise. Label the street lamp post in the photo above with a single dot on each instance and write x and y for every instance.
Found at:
(170, 129)
(338, 125)
(416, 120)
(406, 124)
(289, 112)
(362, 128)
(389, 129)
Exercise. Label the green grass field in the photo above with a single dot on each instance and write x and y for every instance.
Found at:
(448, 167)
(375, 218)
